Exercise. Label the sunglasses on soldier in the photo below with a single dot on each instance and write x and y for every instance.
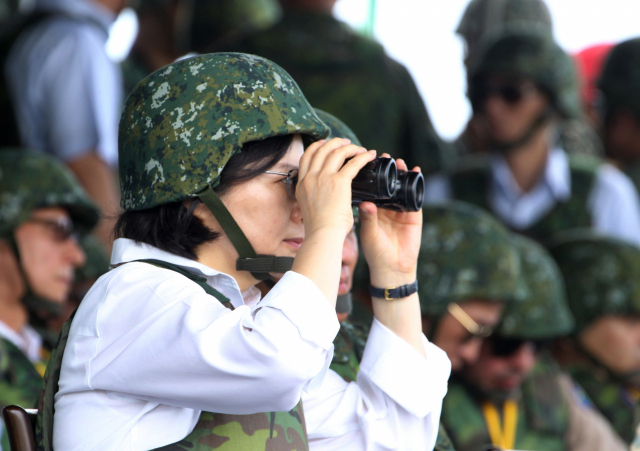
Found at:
(511, 92)
(61, 228)
(506, 347)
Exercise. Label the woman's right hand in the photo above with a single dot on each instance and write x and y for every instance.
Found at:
(324, 195)
(324, 184)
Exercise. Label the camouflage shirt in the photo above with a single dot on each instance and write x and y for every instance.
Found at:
(352, 78)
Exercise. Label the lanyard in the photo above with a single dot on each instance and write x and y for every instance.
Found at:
(505, 438)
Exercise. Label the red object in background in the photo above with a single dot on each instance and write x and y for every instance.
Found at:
(590, 63)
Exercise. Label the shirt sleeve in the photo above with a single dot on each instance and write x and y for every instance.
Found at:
(68, 93)
(200, 354)
(395, 403)
(614, 205)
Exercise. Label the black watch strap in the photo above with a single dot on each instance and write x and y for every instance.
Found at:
(394, 292)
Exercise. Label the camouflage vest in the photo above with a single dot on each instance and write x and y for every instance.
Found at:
(19, 381)
(272, 431)
(348, 349)
(471, 184)
(543, 416)
(617, 403)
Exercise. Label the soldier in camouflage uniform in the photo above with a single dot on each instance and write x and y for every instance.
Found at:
(484, 18)
(215, 190)
(619, 107)
(351, 77)
(41, 204)
(514, 396)
(520, 83)
(602, 278)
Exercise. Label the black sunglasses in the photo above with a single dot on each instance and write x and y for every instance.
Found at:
(506, 347)
(511, 93)
(62, 228)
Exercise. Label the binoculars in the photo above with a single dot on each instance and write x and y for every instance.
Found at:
(382, 183)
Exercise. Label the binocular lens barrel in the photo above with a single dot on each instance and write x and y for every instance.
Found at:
(382, 183)
(409, 193)
(376, 180)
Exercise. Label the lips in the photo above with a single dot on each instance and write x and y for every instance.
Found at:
(294, 242)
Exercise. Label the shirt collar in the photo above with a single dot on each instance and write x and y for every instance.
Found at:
(126, 250)
(27, 340)
(556, 176)
(81, 8)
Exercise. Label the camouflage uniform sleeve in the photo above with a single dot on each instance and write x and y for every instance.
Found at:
(420, 143)
(588, 429)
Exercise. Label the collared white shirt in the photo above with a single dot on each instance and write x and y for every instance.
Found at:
(65, 91)
(613, 202)
(149, 350)
(27, 340)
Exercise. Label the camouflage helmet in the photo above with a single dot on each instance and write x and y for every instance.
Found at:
(29, 181)
(525, 52)
(602, 276)
(543, 311)
(182, 123)
(487, 16)
(338, 128)
(465, 254)
(620, 79)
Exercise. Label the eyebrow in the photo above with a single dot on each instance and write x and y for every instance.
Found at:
(284, 167)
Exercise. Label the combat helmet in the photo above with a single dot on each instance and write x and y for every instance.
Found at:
(542, 312)
(602, 276)
(490, 16)
(465, 254)
(181, 124)
(525, 52)
(620, 79)
(29, 181)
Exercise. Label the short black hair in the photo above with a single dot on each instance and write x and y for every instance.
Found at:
(174, 228)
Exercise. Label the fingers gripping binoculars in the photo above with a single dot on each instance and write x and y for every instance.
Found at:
(382, 183)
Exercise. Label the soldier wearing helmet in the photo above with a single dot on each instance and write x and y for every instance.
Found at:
(174, 347)
(42, 207)
(520, 84)
(468, 269)
(619, 107)
(485, 18)
(601, 275)
(514, 396)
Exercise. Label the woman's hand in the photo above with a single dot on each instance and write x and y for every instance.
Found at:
(324, 195)
(324, 184)
(390, 242)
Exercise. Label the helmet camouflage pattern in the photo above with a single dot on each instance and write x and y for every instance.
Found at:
(182, 123)
(487, 16)
(465, 254)
(602, 276)
(29, 181)
(338, 128)
(525, 52)
(620, 79)
(543, 311)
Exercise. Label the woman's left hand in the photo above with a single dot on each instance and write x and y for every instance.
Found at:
(390, 242)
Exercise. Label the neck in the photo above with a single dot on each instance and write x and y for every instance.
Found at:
(12, 311)
(216, 255)
(527, 162)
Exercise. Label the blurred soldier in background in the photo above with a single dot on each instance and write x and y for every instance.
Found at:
(589, 63)
(66, 93)
(163, 36)
(620, 107)
(42, 207)
(468, 269)
(485, 18)
(350, 77)
(602, 277)
(520, 84)
(515, 396)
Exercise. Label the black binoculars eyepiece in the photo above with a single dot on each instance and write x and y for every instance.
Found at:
(382, 183)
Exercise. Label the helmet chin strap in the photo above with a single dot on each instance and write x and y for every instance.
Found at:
(508, 147)
(32, 301)
(344, 303)
(258, 265)
(629, 379)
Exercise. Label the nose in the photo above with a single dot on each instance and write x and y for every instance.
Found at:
(75, 254)
(523, 359)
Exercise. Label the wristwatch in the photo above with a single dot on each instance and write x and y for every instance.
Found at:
(394, 292)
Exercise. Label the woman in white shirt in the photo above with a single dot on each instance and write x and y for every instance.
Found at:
(212, 169)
